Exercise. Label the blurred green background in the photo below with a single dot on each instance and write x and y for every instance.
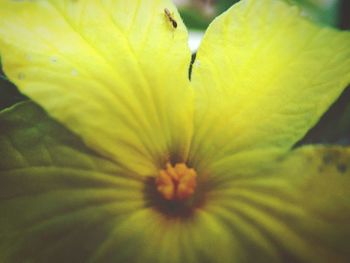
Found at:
(197, 14)
(334, 127)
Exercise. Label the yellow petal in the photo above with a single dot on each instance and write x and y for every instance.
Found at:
(114, 72)
(296, 209)
(158, 239)
(263, 76)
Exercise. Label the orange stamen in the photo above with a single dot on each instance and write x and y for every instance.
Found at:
(176, 183)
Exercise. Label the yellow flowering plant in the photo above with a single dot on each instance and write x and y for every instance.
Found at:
(119, 157)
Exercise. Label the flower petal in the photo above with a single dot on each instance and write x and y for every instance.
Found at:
(57, 198)
(281, 210)
(114, 72)
(293, 208)
(263, 76)
(61, 202)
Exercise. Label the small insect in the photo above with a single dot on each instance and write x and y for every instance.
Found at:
(170, 17)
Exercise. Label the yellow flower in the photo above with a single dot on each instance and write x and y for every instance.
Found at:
(144, 165)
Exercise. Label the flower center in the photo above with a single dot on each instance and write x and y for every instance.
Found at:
(176, 182)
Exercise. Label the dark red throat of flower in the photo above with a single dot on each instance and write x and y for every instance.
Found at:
(176, 182)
